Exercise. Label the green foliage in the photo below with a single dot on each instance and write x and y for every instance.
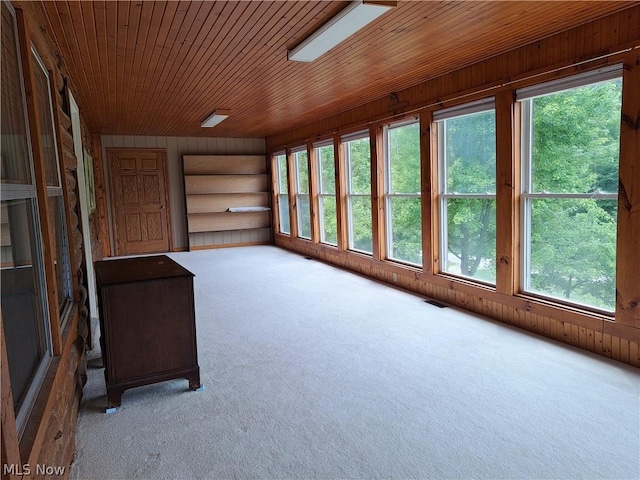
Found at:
(359, 166)
(470, 158)
(406, 229)
(573, 250)
(404, 178)
(576, 139)
(329, 220)
(283, 205)
(301, 161)
(282, 171)
(302, 170)
(304, 216)
(327, 190)
(404, 155)
(575, 150)
(359, 160)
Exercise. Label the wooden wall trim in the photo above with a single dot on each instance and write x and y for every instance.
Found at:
(378, 207)
(628, 242)
(293, 198)
(341, 194)
(314, 204)
(101, 217)
(507, 192)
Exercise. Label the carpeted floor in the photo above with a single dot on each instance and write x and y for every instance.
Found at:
(314, 372)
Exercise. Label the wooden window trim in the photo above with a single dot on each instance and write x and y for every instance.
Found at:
(628, 237)
(40, 182)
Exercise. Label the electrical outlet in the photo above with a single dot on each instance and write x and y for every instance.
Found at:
(395, 278)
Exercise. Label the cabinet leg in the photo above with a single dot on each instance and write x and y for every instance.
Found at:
(194, 382)
(114, 398)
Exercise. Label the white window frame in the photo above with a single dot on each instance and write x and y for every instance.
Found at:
(389, 195)
(56, 191)
(440, 117)
(301, 195)
(524, 96)
(280, 197)
(322, 195)
(349, 194)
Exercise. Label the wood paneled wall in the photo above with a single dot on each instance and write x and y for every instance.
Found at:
(613, 39)
(176, 147)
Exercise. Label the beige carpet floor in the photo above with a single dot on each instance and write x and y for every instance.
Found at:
(314, 372)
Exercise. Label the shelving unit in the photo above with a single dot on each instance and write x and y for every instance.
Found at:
(227, 200)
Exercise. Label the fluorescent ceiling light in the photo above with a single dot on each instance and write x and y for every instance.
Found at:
(347, 22)
(215, 118)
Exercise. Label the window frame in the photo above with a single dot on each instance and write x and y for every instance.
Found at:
(28, 191)
(299, 195)
(389, 195)
(56, 191)
(322, 194)
(350, 195)
(524, 97)
(280, 196)
(440, 117)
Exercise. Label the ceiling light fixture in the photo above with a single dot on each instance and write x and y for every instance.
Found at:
(347, 22)
(215, 118)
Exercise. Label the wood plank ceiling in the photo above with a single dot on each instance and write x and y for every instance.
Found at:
(160, 68)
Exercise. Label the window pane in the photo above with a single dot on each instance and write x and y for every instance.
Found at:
(60, 250)
(283, 209)
(302, 169)
(282, 174)
(471, 153)
(405, 229)
(573, 250)
(47, 139)
(359, 164)
(304, 216)
(328, 219)
(576, 137)
(360, 215)
(404, 159)
(13, 144)
(470, 238)
(327, 169)
(22, 308)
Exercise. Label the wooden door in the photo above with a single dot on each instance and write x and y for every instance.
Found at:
(139, 201)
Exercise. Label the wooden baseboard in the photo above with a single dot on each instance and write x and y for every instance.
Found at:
(228, 245)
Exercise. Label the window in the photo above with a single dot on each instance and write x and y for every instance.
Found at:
(57, 219)
(301, 162)
(358, 167)
(327, 193)
(467, 185)
(24, 295)
(403, 206)
(282, 193)
(570, 143)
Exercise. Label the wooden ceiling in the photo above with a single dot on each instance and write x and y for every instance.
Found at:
(160, 68)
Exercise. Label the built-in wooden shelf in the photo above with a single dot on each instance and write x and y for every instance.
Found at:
(227, 200)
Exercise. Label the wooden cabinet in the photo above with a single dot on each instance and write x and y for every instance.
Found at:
(147, 319)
